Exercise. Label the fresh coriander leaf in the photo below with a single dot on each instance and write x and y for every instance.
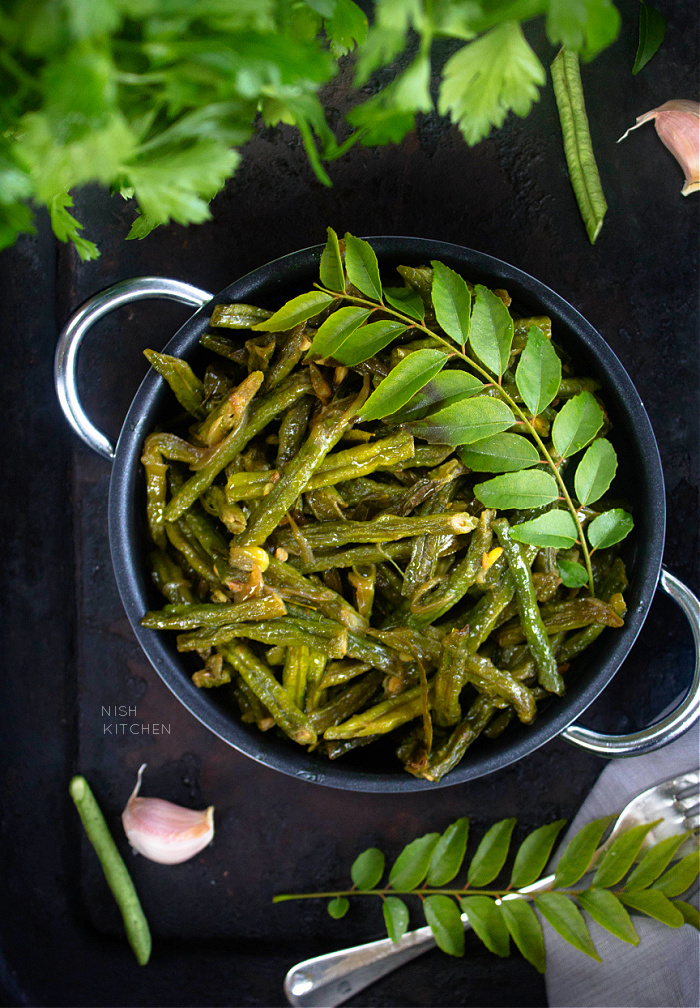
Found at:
(576, 423)
(533, 854)
(331, 268)
(491, 331)
(680, 877)
(326, 8)
(368, 868)
(452, 302)
(299, 309)
(526, 489)
(556, 529)
(66, 227)
(491, 854)
(652, 29)
(538, 374)
(609, 528)
(402, 383)
(595, 471)
(333, 332)
(489, 77)
(378, 123)
(346, 28)
(405, 300)
(338, 907)
(488, 923)
(448, 854)
(411, 866)
(464, 422)
(567, 921)
(362, 267)
(16, 219)
(500, 453)
(573, 575)
(579, 852)
(447, 388)
(656, 860)
(585, 26)
(606, 910)
(654, 904)
(620, 856)
(602, 27)
(395, 917)
(366, 341)
(525, 930)
(445, 920)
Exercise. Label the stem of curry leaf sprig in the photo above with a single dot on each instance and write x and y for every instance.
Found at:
(413, 323)
(467, 891)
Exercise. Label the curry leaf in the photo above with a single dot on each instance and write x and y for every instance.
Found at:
(411, 866)
(609, 528)
(573, 575)
(447, 388)
(402, 383)
(362, 267)
(555, 529)
(445, 920)
(526, 489)
(606, 910)
(335, 330)
(595, 471)
(525, 930)
(691, 915)
(656, 860)
(579, 852)
(680, 877)
(464, 422)
(538, 374)
(299, 309)
(652, 29)
(331, 270)
(500, 453)
(491, 854)
(452, 302)
(448, 854)
(654, 904)
(368, 868)
(395, 917)
(567, 921)
(533, 854)
(576, 423)
(368, 340)
(620, 856)
(488, 923)
(338, 907)
(491, 331)
(405, 300)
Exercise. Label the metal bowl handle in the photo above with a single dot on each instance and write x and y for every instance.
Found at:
(673, 725)
(66, 359)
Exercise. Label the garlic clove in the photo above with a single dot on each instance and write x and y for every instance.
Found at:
(677, 123)
(164, 832)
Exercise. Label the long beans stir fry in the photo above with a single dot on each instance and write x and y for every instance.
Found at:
(366, 519)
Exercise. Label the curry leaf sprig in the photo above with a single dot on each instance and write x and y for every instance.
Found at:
(603, 882)
(474, 411)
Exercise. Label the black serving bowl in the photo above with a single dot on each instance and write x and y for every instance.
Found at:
(639, 480)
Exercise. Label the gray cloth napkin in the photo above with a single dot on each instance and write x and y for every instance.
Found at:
(663, 971)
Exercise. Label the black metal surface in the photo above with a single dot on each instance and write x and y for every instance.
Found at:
(69, 650)
(639, 479)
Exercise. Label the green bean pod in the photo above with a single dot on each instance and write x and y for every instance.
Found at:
(185, 385)
(385, 528)
(169, 578)
(189, 617)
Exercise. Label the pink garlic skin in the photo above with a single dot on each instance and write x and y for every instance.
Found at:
(164, 832)
(677, 123)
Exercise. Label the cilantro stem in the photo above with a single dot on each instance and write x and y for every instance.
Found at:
(413, 323)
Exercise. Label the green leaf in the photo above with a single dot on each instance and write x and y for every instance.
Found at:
(567, 921)
(538, 374)
(452, 302)
(606, 910)
(299, 309)
(500, 453)
(579, 852)
(362, 267)
(338, 907)
(489, 77)
(488, 923)
(445, 389)
(576, 423)
(654, 904)
(402, 383)
(448, 854)
(395, 917)
(464, 422)
(620, 856)
(652, 28)
(491, 854)
(406, 300)
(526, 930)
(555, 528)
(346, 28)
(66, 227)
(680, 877)
(526, 489)
(533, 854)
(609, 528)
(585, 26)
(411, 866)
(335, 330)
(690, 913)
(595, 471)
(656, 860)
(331, 267)
(445, 920)
(573, 575)
(491, 332)
(368, 868)
(368, 340)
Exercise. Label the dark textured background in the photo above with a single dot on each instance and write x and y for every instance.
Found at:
(68, 648)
